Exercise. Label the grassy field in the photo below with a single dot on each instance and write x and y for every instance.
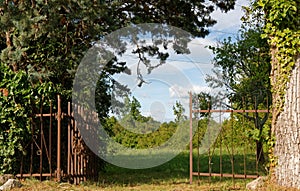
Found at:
(173, 176)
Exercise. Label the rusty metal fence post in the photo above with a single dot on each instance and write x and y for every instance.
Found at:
(58, 170)
(191, 139)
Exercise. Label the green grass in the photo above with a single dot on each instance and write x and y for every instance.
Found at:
(176, 171)
(172, 171)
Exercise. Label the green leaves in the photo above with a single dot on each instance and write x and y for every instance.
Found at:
(178, 111)
(14, 112)
(16, 109)
(242, 66)
(282, 30)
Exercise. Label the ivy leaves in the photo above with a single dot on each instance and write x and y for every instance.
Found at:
(282, 30)
(18, 99)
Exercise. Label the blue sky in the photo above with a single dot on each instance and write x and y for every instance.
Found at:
(182, 73)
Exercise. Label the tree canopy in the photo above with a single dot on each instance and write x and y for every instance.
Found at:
(48, 38)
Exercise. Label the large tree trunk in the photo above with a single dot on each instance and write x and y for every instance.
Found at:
(286, 128)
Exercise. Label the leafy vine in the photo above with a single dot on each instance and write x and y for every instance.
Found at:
(282, 30)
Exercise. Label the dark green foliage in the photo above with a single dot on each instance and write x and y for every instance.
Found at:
(141, 141)
(281, 31)
(52, 36)
(243, 66)
(18, 102)
(200, 132)
(203, 101)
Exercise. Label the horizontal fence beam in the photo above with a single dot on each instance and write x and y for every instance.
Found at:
(52, 115)
(242, 176)
(45, 115)
(35, 175)
(229, 111)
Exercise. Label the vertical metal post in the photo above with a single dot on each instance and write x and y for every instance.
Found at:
(72, 133)
(221, 140)
(198, 153)
(50, 141)
(41, 140)
(232, 149)
(257, 142)
(58, 138)
(191, 139)
(69, 139)
(209, 150)
(85, 172)
(81, 168)
(31, 146)
(245, 159)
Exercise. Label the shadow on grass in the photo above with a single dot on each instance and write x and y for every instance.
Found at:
(176, 171)
(242, 164)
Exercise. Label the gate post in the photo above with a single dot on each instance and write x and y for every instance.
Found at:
(58, 171)
(191, 139)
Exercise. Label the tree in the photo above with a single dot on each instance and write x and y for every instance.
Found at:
(242, 67)
(134, 130)
(204, 101)
(178, 111)
(282, 31)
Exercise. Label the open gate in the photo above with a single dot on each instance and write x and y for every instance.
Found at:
(205, 168)
(57, 150)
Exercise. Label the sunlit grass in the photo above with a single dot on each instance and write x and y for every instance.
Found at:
(179, 185)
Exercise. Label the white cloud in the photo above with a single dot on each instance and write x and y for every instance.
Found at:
(198, 89)
(228, 23)
(177, 91)
(230, 20)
